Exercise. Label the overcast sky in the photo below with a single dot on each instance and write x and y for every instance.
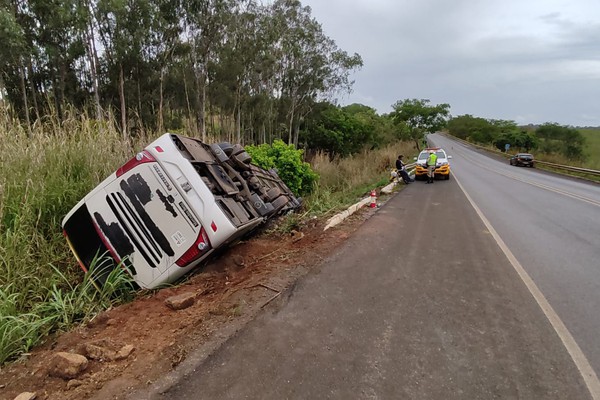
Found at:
(530, 61)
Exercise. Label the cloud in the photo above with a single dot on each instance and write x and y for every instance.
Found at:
(537, 60)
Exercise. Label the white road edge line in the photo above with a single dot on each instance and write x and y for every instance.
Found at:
(586, 370)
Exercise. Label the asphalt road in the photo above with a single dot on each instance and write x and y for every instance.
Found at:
(551, 224)
(420, 303)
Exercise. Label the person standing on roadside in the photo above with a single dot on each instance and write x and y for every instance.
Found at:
(401, 167)
(431, 161)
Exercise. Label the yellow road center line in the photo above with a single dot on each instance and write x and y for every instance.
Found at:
(582, 363)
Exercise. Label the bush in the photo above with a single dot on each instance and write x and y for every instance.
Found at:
(520, 140)
(338, 131)
(297, 174)
(565, 140)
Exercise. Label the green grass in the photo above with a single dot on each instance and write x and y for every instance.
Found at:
(591, 152)
(56, 308)
(43, 175)
(592, 147)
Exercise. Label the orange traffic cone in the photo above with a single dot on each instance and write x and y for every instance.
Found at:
(373, 199)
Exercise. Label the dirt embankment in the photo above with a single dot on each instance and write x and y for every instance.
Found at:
(136, 344)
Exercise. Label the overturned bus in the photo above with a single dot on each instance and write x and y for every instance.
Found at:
(170, 207)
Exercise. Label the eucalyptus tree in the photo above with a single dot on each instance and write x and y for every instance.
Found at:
(59, 29)
(204, 21)
(253, 50)
(238, 70)
(15, 50)
(312, 65)
(93, 61)
(166, 46)
(264, 89)
(124, 31)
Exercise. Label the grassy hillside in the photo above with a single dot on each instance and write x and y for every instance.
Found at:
(592, 148)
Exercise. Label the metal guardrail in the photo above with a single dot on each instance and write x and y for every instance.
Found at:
(552, 165)
(569, 168)
(410, 168)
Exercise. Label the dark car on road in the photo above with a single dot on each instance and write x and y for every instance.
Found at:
(522, 160)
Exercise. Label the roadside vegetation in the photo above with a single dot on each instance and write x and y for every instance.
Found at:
(591, 150)
(44, 174)
(48, 169)
(549, 142)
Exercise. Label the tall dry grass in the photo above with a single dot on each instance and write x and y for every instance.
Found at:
(342, 181)
(46, 170)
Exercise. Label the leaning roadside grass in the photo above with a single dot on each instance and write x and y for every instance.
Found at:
(64, 304)
(44, 174)
(19, 333)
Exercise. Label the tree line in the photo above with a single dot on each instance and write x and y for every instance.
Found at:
(550, 138)
(232, 69)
